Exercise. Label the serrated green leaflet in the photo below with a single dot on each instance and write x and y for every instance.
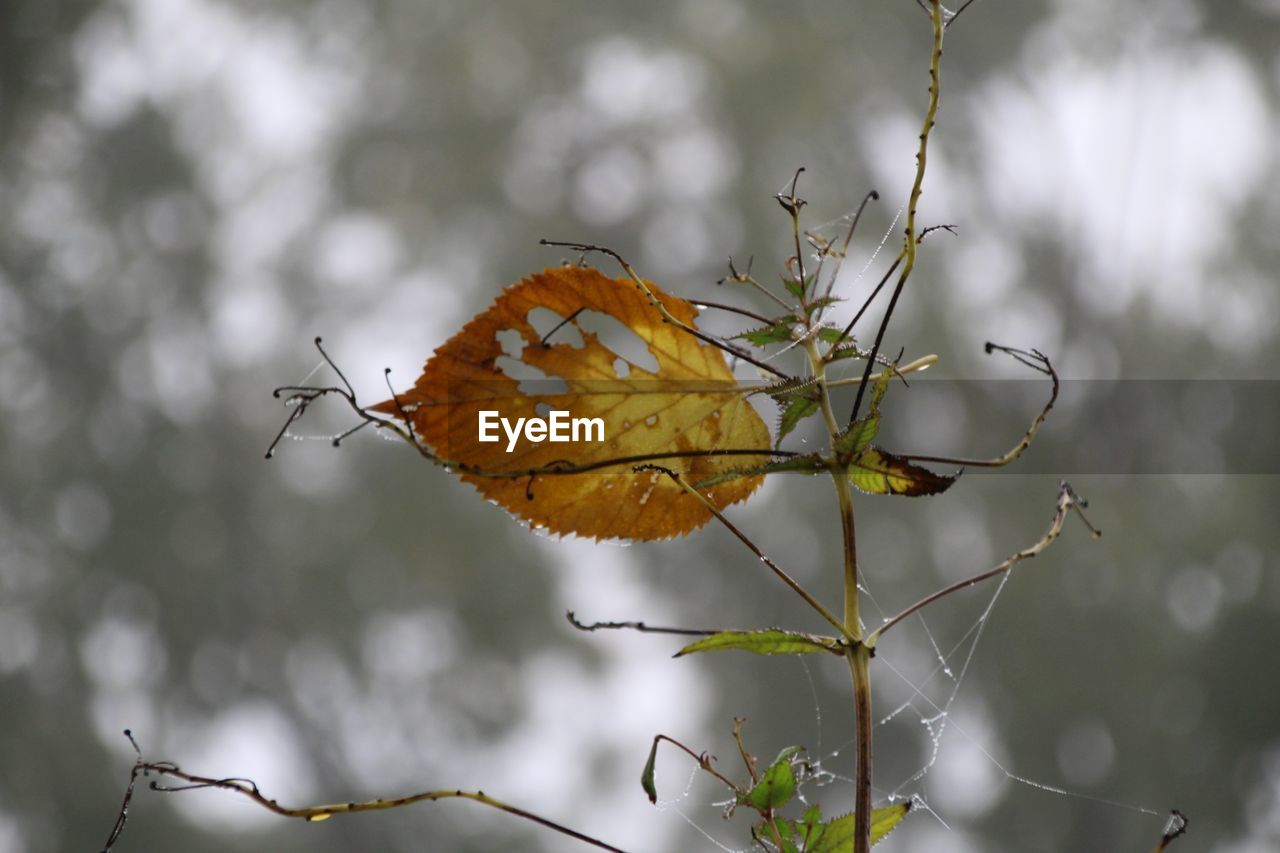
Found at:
(878, 472)
(864, 430)
(772, 641)
(837, 834)
(797, 288)
(794, 410)
(822, 302)
(858, 436)
(847, 350)
(832, 335)
(776, 787)
(777, 333)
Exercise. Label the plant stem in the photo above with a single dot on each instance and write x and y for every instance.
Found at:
(857, 654)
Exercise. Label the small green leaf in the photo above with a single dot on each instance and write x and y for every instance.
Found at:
(836, 836)
(776, 787)
(858, 436)
(646, 778)
(808, 464)
(772, 641)
(797, 288)
(847, 350)
(878, 472)
(794, 411)
(822, 302)
(832, 335)
(864, 430)
(810, 827)
(777, 333)
(782, 838)
(886, 818)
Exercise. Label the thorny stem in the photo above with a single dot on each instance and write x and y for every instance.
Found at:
(249, 789)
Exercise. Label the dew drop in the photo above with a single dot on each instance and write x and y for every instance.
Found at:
(651, 421)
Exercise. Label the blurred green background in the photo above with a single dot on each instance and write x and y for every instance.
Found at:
(191, 190)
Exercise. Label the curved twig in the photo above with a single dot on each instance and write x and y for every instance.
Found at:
(248, 788)
(1068, 501)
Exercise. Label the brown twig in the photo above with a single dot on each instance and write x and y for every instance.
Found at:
(249, 789)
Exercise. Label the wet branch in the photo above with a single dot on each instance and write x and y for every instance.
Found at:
(1068, 501)
(248, 788)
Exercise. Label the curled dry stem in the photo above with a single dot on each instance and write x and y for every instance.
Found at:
(1068, 501)
(249, 789)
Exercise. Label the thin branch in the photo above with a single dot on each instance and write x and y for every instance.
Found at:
(866, 304)
(958, 12)
(792, 204)
(732, 309)
(704, 759)
(1035, 360)
(248, 788)
(635, 626)
(747, 758)
(764, 558)
(848, 238)
(950, 229)
(924, 362)
(1068, 501)
(748, 278)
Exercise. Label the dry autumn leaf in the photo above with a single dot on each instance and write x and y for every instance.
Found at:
(689, 405)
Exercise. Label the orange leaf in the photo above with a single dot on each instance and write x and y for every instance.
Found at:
(689, 405)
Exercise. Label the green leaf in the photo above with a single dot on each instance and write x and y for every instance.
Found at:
(783, 837)
(886, 818)
(808, 464)
(772, 641)
(777, 333)
(822, 302)
(646, 777)
(836, 835)
(858, 436)
(878, 472)
(794, 411)
(864, 430)
(776, 787)
(832, 335)
(848, 349)
(797, 288)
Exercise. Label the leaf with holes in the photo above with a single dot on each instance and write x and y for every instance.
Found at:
(684, 415)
